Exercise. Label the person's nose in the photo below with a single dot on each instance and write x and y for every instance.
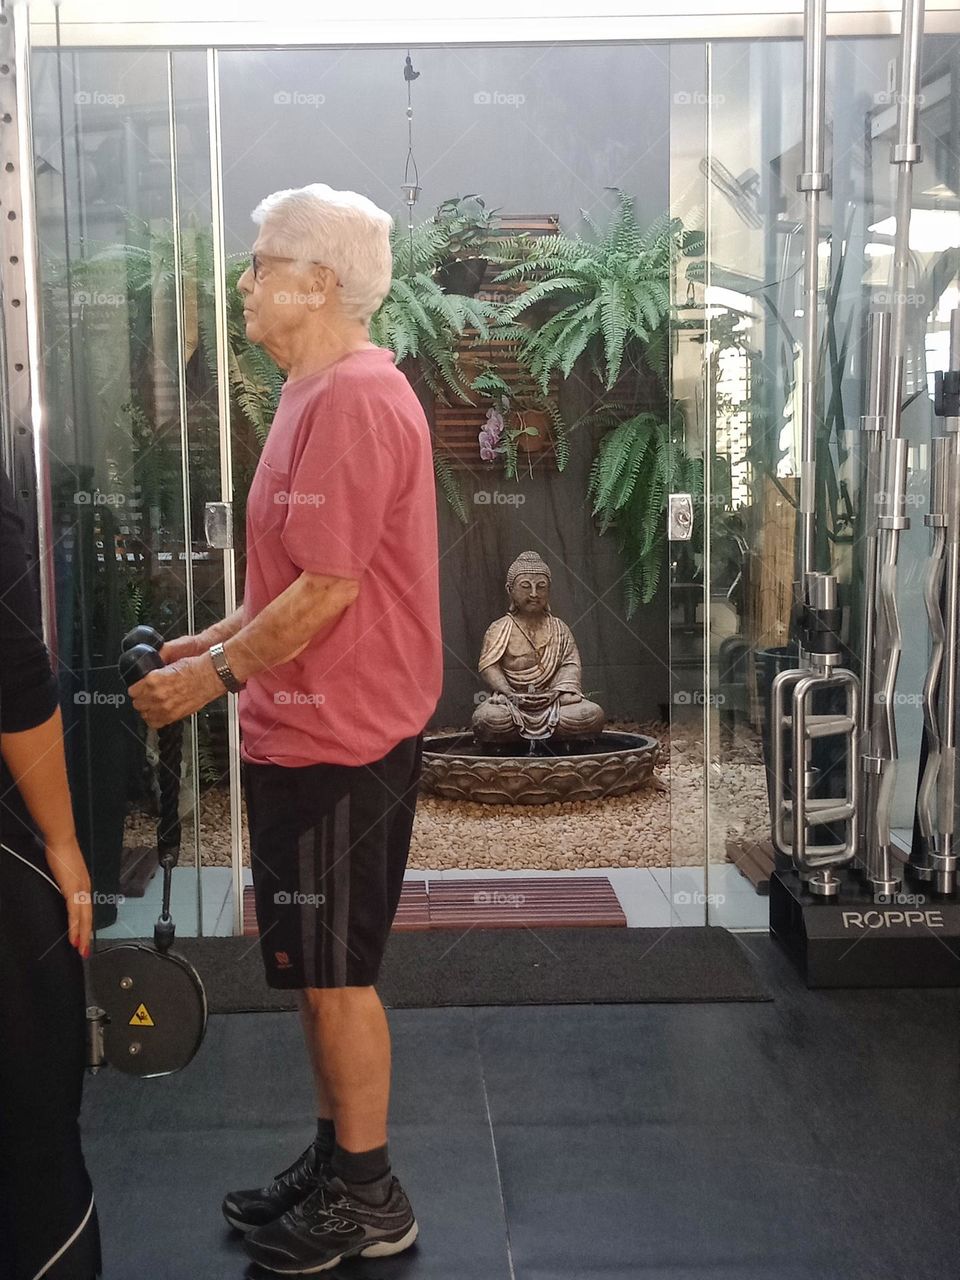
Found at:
(245, 283)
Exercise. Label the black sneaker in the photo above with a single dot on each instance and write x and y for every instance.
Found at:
(332, 1224)
(248, 1209)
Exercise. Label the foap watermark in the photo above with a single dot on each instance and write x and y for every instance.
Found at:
(497, 898)
(497, 498)
(94, 98)
(96, 298)
(499, 297)
(97, 899)
(496, 98)
(298, 498)
(893, 97)
(697, 698)
(882, 498)
(697, 898)
(892, 298)
(296, 98)
(899, 899)
(697, 98)
(297, 698)
(297, 899)
(97, 498)
(286, 298)
(900, 699)
(97, 698)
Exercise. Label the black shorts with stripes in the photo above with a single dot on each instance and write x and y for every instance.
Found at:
(329, 846)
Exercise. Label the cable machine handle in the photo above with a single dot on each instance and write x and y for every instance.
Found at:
(138, 658)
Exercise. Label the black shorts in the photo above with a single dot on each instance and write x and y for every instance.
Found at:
(328, 849)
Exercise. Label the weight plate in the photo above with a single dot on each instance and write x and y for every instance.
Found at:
(156, 1008)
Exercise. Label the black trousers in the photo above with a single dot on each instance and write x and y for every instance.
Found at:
(48, 1221)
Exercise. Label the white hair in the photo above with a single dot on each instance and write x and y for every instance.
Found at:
(338, 229)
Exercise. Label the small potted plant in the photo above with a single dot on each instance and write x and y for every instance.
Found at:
(467, 224)
(514, 421)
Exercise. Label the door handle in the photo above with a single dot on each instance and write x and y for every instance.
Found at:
(680, 517)
(218, 525)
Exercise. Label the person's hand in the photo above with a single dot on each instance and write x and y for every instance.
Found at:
(183, 647)
(70, 872)
(176, 691)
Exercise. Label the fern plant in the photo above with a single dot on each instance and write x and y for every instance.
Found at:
(613, 296)
(418, 320)
(609, 299)
(637, 464)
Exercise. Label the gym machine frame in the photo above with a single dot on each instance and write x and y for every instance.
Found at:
(836, 904)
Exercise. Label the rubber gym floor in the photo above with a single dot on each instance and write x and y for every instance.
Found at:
(814, 1137)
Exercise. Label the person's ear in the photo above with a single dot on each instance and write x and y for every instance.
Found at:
(323, 279)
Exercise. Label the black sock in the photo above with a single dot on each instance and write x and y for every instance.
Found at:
(326, 1138)
(366, 1173)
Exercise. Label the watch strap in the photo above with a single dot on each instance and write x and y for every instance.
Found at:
(223, 669)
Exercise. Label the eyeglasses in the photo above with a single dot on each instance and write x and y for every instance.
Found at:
(256, 263)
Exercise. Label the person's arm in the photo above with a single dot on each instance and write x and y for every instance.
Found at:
(193, 646)
(37, 765)
(280, 631)
(31, 727)
(347, 466)
(284, 627)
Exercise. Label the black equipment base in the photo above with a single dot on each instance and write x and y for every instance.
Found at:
(912, 940)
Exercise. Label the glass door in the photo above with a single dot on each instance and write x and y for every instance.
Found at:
(122, 146)
(751, 388)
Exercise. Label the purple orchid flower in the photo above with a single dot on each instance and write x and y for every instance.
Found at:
(490, 436)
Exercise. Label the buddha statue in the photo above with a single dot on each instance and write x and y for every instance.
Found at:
(531, 662)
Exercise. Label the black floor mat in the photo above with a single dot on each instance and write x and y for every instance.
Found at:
(434, 968)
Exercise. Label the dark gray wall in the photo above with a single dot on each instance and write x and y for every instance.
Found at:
(590, 118)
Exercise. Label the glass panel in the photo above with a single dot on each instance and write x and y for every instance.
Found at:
(126, 379)
(214, 764)
(687, 886)
(492, 121)
(755, 316)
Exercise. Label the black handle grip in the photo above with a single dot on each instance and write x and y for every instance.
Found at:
(138, 662)
(138, 658)
(141, 635)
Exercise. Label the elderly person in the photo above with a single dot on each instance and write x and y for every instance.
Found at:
(336, 655)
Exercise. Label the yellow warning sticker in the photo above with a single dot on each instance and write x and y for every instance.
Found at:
(141, 1018)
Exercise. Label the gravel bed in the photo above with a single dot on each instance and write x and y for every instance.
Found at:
(660, 825)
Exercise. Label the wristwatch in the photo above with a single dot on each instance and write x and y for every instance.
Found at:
(223, 669)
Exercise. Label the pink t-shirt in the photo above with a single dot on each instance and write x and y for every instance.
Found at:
(345, 487)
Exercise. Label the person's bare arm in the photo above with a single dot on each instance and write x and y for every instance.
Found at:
(193, 646)
(37, 765)
(278, 633)
(287, 624)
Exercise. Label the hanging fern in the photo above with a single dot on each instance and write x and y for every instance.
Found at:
(449, 486)
(418, 319)
(611, 292)
(637, 464)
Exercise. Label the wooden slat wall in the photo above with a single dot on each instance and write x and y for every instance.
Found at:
(458, 425)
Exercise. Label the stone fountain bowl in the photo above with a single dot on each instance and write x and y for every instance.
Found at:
(457, 767)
